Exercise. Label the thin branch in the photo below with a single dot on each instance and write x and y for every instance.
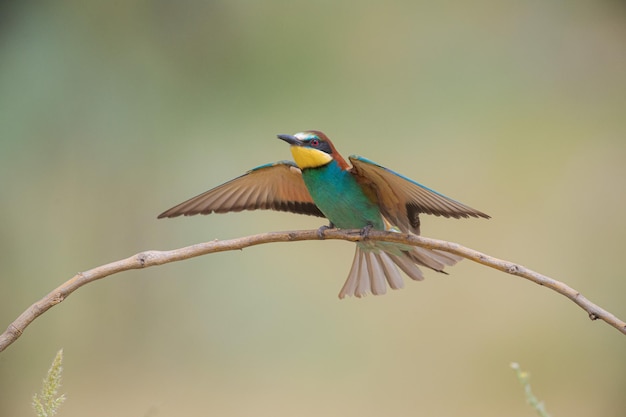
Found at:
(152, 258)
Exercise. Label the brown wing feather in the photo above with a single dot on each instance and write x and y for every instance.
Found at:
(277, 186)
(402, 200)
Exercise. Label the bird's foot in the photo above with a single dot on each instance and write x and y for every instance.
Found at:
(322, 229)
(365, 232)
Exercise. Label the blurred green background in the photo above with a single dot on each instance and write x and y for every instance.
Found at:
(111, 112)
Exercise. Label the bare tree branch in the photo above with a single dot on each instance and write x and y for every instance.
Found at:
(152, 258)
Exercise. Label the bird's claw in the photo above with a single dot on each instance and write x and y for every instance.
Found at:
(322, 229)
(365, 232)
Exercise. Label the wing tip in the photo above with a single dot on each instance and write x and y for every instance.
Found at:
(167, 214)
(170, 214)
(477, 214)
(456, 214)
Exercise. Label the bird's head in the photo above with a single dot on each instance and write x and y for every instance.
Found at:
(313, 149)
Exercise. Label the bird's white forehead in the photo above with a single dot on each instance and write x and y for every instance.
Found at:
(305, 135)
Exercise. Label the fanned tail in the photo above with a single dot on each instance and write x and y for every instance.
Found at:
(372, 269)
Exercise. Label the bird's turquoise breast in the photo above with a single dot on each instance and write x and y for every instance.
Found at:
(340, 197)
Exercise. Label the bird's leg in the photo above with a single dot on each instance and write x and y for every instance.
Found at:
(366, 231)
(322, 229)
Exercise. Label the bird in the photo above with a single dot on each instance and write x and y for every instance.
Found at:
(359, 194)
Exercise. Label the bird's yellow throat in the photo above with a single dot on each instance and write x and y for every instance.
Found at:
(309, 157)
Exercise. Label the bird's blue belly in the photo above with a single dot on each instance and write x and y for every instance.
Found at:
(340, 197)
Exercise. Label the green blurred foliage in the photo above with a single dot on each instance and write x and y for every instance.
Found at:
(111, 112)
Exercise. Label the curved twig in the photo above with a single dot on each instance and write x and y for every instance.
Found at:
(152, 258)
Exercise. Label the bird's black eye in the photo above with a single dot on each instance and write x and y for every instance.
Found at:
(315, 142)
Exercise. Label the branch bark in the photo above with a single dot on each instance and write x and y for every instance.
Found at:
(152, 258)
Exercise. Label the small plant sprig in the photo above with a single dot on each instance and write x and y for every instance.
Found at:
(524, 379)
(47, 402)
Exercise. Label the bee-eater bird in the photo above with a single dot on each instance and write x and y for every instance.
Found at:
(362, 196)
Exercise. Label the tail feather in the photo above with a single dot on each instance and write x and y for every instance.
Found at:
(376, 274)
(363, 282)
(428, 258)
(350, 285)
(390, 271)
(445, 258)
(373, 266)
(408, 266)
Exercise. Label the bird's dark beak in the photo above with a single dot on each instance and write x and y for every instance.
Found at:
(290, 139)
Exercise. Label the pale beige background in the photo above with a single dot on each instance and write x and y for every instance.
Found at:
(111, 112)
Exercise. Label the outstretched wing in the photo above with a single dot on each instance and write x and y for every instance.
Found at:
(402, 199)
(277, 186)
